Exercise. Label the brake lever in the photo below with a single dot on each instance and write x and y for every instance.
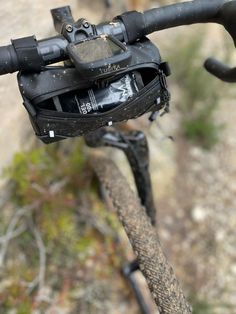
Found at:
(220, 70)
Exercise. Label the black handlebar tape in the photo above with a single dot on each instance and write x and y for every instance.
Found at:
(185, 13)
(228, 18)
(8, 60)
(138, 24)
(61, 16)
(220, 70)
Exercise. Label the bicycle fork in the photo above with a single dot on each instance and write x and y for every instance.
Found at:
(135, 147)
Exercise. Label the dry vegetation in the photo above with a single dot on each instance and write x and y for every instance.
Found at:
(61, 249)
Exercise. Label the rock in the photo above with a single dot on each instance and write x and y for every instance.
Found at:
(199, 214)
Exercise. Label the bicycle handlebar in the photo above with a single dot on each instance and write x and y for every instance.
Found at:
(127, 27)
(50, 50)
(220, 70)
(8, 60)
(185, 13)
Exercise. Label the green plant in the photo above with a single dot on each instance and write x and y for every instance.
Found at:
(199, 92)
(70, 219)
(202, 307)
(202, 129)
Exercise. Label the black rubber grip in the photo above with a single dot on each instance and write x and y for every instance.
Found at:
(61, 16)
(220, 70)
(8, 60)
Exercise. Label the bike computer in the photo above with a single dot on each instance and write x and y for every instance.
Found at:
(98, 56)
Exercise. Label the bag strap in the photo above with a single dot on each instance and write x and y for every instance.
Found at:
(28, 46)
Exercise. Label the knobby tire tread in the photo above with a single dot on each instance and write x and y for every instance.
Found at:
(144, 239)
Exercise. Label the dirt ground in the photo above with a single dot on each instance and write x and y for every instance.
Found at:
(195, 192)
(195, 189)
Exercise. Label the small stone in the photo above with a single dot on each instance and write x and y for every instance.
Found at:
(199, 214)
(233, 269)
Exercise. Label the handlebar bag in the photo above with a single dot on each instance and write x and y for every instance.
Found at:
(42, 93)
